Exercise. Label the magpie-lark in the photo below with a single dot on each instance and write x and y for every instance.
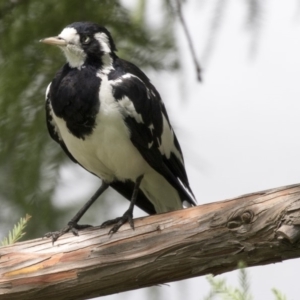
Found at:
(107, 116)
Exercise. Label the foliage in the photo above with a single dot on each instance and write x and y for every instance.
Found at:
(221, 290)
(17, 232)
(278, 295)
(29, 159)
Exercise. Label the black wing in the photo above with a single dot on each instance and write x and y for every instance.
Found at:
(148, 123)
(123, 188)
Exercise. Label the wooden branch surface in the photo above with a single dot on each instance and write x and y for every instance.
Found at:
(259, 228)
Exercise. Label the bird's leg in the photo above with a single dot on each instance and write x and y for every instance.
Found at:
(128, 215)
(73, 225)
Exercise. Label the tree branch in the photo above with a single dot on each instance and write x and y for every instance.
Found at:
(259, 228)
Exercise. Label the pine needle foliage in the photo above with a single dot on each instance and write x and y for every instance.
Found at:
(278, 294)
(17, 232)
(220, 290)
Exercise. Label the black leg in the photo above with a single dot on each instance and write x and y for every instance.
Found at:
(73, 225)
(128, 215)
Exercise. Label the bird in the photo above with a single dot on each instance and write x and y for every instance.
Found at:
(108, 117)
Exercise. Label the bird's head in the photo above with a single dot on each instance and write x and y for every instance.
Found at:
(85, 42)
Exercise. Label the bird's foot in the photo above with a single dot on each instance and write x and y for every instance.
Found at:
(118, 222)
(71, 227)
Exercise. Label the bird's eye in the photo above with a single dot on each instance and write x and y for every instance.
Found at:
(85, 40)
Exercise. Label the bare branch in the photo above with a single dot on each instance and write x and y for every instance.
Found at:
(189, 39)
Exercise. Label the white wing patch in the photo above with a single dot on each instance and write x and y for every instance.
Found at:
(167, 141)
(47, 91)
(51, 113)
(148, 93)
(129, 109)
(166, 146)
(127, 76)
(125, 103)
(151, 127)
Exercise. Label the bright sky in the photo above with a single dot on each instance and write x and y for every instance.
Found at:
(239, 129)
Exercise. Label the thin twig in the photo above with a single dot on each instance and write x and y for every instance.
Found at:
(186, 31)
(215, 26)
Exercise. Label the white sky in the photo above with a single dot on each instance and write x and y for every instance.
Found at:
(239, 129)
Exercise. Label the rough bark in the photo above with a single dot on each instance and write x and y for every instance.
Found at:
(259, 228)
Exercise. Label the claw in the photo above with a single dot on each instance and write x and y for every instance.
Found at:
(118, 222)
(73, 227)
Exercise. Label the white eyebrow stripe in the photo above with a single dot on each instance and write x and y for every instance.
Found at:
(103, 40)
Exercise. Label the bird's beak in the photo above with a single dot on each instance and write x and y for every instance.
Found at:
(58, 41)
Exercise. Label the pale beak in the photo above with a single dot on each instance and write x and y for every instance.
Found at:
(58, 41)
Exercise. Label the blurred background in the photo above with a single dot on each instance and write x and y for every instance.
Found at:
(238, 129)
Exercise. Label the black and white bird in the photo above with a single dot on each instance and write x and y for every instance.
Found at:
(108, 117)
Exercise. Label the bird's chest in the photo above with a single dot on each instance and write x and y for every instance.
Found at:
(107, 151)
(75, 98)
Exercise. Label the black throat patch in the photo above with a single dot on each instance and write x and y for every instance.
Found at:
(74, 97)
